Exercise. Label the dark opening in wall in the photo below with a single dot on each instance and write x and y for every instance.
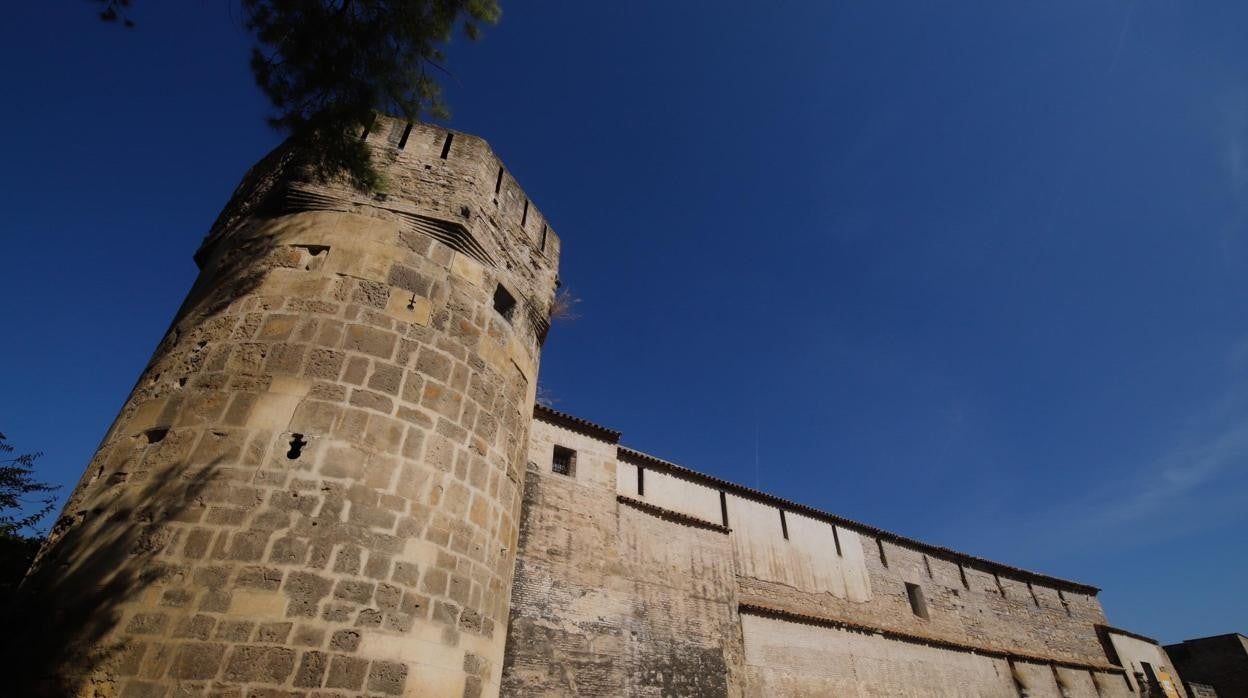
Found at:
(1000, 588)
(883, 558)
(1065, 604)
(498, 183)
(446, 145)
(524, 217)
(155, 436)
(368, 127)
(504, 303)
(962, 573)
(1034, 599)
(407, 131)
(918, 604)
(784, 525)
(296, 446)
(641, 481)
(723, 508)
(544, 229)
(836, 540)
(563, 462)
(927, 565)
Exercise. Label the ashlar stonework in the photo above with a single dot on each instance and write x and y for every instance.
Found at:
(332, 479)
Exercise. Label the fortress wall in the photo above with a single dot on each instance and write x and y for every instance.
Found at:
(610, 599)
(804, 574)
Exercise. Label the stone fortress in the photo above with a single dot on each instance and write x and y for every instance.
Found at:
(332, 479)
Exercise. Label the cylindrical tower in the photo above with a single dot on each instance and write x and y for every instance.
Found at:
(315, 485)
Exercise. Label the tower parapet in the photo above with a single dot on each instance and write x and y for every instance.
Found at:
(315, 483)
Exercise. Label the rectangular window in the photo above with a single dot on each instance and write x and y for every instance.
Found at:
(836, 540)
(641, 481)
(563, 462)
(918, 604)
(1034, 599)
(966, 584)
(1065, 603)
(927, 565)
(784, 525)
(504, 303)
(883, 558)
(723, 508)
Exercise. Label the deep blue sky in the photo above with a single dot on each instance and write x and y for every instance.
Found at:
(972, 271)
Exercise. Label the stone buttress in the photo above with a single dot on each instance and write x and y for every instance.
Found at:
(315, 484)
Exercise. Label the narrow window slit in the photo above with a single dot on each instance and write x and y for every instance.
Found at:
(446, 145)
(407, 131)
(524, 217)
(1035, 599)
(723, 508)
(498, 183)
(296, 446)
(641, 481)
(918, 604)
(368, 127)
(836, 540)
(1000, 588)
(962, 573)
(544, 229)
(784, 525)
(927, 565)
(879, 543)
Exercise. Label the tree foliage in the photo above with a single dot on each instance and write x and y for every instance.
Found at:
(24, 502)
(327, 66)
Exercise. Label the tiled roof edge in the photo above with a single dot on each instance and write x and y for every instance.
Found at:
(574, 423)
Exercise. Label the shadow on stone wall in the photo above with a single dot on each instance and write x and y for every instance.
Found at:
(58, 627)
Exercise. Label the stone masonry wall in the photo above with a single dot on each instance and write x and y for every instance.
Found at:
(631, 567)
(610, 600)
(316, 482)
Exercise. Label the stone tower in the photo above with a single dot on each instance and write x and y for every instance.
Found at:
(316, 482)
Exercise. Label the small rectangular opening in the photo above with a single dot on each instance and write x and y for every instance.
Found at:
(723, 508)
(563, 461)
(498, 183)
(927, 565)
(407, 131)
(446, 145)
(918, 604)
(836, 540)
(641, 481)
(544, 229)
(997, 578)
(966, 584)
(524, 217)
(883, 558)
(1034, 599)
(1065, 604)
(784, 525)
(504, 303)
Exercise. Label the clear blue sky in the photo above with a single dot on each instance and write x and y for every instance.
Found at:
(972, 271)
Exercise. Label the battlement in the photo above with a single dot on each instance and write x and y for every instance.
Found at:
(443, 183)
